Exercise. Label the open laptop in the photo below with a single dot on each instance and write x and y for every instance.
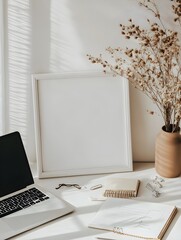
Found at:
(23, 204)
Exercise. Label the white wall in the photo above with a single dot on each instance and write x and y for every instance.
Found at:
(64, 31)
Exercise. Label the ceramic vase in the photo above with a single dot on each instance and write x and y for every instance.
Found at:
(168, 154)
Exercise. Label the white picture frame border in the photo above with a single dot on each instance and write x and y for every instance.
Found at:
(60, 171)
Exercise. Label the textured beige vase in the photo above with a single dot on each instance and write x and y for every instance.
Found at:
(168, 154)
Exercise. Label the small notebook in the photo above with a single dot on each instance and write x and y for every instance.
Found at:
(134, 218)
(121, 188)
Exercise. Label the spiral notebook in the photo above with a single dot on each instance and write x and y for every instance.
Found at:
(121, 187)
(130, 217)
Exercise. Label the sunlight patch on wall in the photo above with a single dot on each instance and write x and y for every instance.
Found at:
(18, 65)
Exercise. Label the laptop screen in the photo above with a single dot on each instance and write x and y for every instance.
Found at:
(15, 172)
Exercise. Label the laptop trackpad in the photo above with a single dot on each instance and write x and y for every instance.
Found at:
(12, 225)
(30, 220)
(4, 228)
(37, 215)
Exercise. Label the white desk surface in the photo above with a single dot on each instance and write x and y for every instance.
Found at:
(74, 225)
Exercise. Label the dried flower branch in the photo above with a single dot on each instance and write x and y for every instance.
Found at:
(154, 67)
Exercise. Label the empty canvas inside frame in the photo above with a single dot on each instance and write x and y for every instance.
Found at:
(82, 124)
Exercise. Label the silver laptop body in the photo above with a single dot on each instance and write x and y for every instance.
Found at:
(15, 178)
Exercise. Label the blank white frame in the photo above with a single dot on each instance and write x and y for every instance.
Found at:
(82, 124)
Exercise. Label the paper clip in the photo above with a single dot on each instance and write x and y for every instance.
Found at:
(156, 178)
(158, 184)
(118, 230)
(155, 192)
(96, 187)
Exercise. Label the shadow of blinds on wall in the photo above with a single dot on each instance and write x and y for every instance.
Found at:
(18, 66)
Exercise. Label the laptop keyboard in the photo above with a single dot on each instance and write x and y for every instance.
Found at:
(21, 201)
